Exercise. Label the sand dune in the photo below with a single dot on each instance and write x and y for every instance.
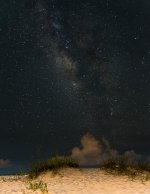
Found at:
(76, 181)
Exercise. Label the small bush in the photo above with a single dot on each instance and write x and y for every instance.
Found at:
(38, 185)
(52, 164)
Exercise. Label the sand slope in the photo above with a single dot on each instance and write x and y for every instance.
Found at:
(76, 181)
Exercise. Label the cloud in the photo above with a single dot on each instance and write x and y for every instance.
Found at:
(132, 155)
(4, 163)
(94, 152)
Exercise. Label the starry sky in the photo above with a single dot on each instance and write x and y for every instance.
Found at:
(70, 67)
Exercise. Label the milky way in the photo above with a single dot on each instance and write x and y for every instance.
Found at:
(72, 67)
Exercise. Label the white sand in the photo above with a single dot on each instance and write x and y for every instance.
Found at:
(76, 181)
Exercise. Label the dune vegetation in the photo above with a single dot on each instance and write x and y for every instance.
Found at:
(53, 164)
(124, 166)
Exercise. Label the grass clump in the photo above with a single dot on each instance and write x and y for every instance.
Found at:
(124, 166)
(38, 185)
(53, 164)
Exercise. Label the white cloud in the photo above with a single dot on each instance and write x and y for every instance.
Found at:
(94, 152)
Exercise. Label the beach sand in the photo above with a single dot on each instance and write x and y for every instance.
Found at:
(76, 181)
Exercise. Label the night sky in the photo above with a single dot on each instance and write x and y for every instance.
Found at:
(68, 67)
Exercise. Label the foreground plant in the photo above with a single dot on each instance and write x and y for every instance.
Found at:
(38, 185)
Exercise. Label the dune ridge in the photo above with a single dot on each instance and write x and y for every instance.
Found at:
(75, 181)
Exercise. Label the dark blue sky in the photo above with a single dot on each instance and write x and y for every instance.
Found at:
(71, 67)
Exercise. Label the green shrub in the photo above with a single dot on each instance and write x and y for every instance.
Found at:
(38, 185)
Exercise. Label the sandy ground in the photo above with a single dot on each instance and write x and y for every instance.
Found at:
(76, 181)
